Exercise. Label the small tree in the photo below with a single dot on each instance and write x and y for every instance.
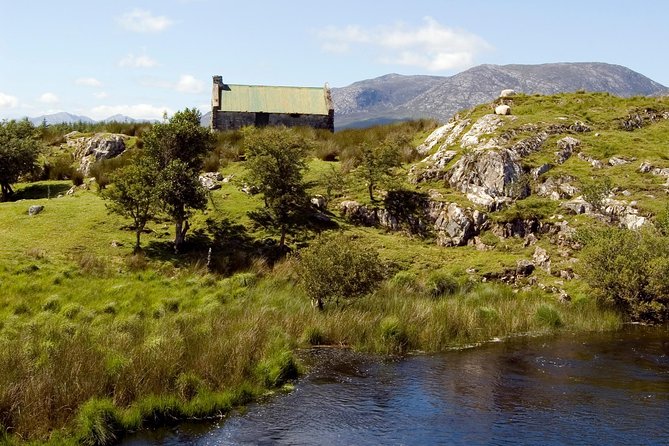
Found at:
(275, 165)
(19, 148)
(377, 164)
(595, 192)
(337, 267)
(134, 195)
(177, 148)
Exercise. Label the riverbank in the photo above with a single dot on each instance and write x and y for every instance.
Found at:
(85, 357)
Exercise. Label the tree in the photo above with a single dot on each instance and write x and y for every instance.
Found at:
(177, 148)
(377, 164)
(19, 148)
(275, 165)
(337, 267)
(134, 195)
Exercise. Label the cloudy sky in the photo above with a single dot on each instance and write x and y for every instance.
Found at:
(141, 58)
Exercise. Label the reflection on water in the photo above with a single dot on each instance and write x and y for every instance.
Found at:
(598, 389)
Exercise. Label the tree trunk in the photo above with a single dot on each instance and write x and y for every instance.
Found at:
(318, 303)
(370, 188)
(282, 241)
(138, 233)
(180, 229)
(6, 191)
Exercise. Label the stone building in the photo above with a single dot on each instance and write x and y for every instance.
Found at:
(236, 106)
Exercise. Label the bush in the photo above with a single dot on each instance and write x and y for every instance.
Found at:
(628, 269)
(336, 268)
(99, 422)
(439, 284)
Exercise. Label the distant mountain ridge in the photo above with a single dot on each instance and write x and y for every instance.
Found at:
(395, 97)
(69, 118)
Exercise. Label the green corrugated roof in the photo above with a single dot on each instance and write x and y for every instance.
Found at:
(260, 98)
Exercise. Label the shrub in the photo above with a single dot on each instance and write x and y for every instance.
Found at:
(628, 269)
(278, 369)
(77, 178)
(440, 283)
(336, 268)
(405, 280)
(99, 422)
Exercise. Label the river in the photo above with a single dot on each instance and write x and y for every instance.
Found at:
(604, 388)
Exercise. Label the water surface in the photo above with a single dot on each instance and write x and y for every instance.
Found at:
(608, 388)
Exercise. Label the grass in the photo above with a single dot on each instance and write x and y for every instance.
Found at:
(95, 341)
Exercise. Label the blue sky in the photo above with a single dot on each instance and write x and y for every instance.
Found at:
(140, 58)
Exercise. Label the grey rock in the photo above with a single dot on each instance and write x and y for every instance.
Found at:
(211, 180)
(645, 167)
(524, 268)
(538, 171)
(506, 93)
(542, 259)
(88, 150)
(319, 202)
(578, 206)
(35, 209)
(566, 147)
(618, 161)
(486, 125)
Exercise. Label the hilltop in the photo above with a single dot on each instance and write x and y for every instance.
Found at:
(395, 97)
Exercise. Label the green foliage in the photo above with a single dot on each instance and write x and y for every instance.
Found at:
(278, 369)
(548, 316)
(275, 166)
(376, 164)
(99, 423)
(134, 195)
(440, 283)
(336, 267)
(393, 335)
(594, 192)
(19, 148)
(177, 149)
(629, 270)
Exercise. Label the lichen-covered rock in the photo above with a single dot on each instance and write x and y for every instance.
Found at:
(557, 188)
(88, 150)
(618, 161)
(486, 125)
(538, 171)
(542, 259)
(566, 147)
(211, 180)
(35, 209)
(433, 167)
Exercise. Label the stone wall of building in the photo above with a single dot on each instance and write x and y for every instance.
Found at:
(235, 120)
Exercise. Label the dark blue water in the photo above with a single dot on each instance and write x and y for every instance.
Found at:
(608, 389)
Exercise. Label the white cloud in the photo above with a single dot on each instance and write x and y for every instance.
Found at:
(101, 94)
(48, 98)
(141, 61)
(189, 84)
(88, 82)
(8, 101)
(137, 111)
(431, 46)
(142, 21)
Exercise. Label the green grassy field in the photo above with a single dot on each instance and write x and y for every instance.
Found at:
(96, 341)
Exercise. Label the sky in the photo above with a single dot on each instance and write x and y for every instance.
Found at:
(145, 58)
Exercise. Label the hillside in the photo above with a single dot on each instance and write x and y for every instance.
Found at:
(395, 97)
(485, 231)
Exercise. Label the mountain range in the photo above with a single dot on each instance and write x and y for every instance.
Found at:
(69, 118)
(396, 97)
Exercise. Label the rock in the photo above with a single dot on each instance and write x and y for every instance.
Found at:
(632, 221)
(503, 110)
(433, 167)
(115, 244)
(538, 171)
(71, 190)
(566, 147)
(541, 258)
(211, 180)
(507, 93)
(485, 125)
(249, 190)
(567, 274)
(524, 268)
(89, 150)
(518, 228)
(530, 240)
(563, 296)
(645, 167)
(578, 206)
(557, 188)
(35, 209)
(435, 137)
(319, 202)
(618, 161)
(580, 127)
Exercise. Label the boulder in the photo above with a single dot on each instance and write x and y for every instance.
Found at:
(618, 161)
(485, 125)
(538, 171)
(89, 150)
(35, 209)
(578, 206)
(211, 180)
(542, 259)
(633, 221)
(507, 93)
(319, 202)
(433, 167)
(503, 110)
(524, 268)
(566, 147)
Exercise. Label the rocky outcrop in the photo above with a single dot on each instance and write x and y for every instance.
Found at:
(211, 180)
(486, 125)
(88, 150)
(566, 147)
(451, 224)
(557, 188)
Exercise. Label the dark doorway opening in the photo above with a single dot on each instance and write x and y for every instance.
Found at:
(262, 119)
